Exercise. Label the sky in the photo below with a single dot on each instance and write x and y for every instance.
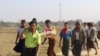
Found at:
(15, 10)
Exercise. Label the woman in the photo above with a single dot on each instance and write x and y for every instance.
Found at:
(65, 35)
(20, 42)
(51, 34)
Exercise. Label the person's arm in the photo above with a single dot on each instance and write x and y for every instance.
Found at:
(38, 44)
(84, 39)
(17, 38)
(44, 41)
(60, 42)
(49, 35)
(72, 38)
(37, 49)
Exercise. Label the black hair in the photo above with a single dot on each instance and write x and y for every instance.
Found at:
(77, 22)
(65, 23)
(34, 20)
(23, 21)
(85, 23)
(47, 21)
(30, 23)
(90, 23)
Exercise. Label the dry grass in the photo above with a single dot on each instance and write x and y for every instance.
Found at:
(7, 39)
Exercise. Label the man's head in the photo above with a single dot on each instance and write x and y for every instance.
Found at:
(23, 23)
(32, 25)
(85, 24)
(90, 25)
(66, 25)
(78, 24)
(48, 23)
(34, 20)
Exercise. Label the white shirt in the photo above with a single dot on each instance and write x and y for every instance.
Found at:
(77, 35)
(89, 32)
(20, 30)
(85, 28)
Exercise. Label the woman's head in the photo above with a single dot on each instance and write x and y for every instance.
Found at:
(23, 23)
(48, 23)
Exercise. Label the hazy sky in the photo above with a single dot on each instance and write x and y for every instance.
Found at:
(15, 10)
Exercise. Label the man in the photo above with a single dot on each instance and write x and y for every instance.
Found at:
(20, 42)
(32, 40)
(38, 28)
(78, 39)
(51, 36)
(65, 35)
(85, 27)
(91, 38)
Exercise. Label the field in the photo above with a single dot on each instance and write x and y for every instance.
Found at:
(7, 39)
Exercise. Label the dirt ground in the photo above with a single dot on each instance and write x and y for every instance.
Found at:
(7, 39)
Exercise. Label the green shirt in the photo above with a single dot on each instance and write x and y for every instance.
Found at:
(38, 28)
(32, 40)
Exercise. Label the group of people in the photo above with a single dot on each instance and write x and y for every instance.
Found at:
(28, 39)
(83, 36)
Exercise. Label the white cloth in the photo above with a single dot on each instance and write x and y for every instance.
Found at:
(89, 31)
(85, 28)
(20, 30)
(77, 35)
(95, 29)
(48, 32)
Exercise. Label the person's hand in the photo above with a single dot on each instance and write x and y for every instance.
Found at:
(42, 43)
(36, 54)
(48, 36)
(16, 42)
